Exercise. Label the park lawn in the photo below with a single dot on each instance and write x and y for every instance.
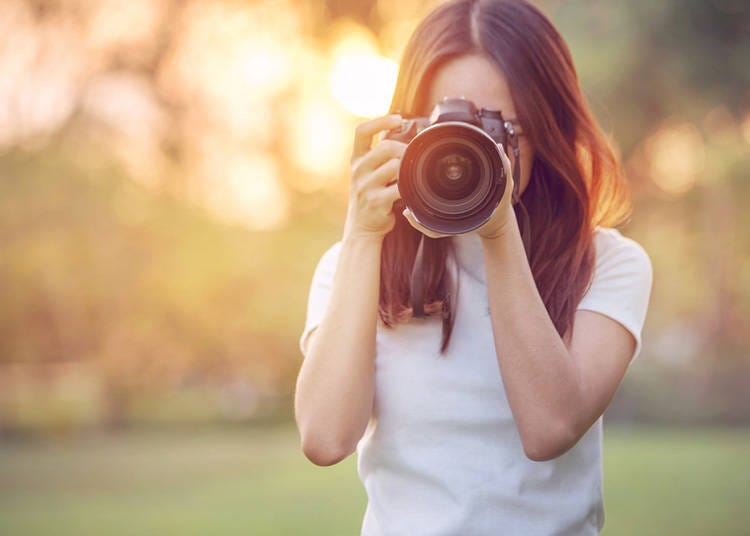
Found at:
(255, 480)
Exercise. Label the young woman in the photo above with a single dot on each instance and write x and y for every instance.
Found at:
(484, 417)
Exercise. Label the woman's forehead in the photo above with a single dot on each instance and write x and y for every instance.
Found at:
(475, 78)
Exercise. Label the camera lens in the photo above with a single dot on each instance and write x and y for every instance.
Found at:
(452, 172)
(471, 176)
(452, 177)
(453, 167)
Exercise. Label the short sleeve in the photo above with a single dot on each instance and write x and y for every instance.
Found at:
(621, 285)
(320, 291)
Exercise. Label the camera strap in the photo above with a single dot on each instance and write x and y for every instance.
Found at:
(417, 281)
(417, 274)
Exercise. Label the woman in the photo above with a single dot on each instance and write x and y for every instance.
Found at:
(485, 416)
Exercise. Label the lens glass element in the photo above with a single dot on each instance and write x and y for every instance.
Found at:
(452, 172)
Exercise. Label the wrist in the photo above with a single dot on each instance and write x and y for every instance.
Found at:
(502, 229)
(363, 237)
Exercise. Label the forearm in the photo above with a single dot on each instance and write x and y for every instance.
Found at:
(335, 386)
(541, 379)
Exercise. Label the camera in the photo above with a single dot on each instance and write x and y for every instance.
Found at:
(451, 175)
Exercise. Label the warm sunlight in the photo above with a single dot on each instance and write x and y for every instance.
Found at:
(361, 79)
(248, 192)
(181, 181)
(322, 138)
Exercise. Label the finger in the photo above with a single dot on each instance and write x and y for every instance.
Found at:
(383, 175)
(390, 194)
(365, 131)
(384, 151)
(386, 197)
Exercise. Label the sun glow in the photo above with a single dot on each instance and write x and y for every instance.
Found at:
(322, 139)
(362, 80)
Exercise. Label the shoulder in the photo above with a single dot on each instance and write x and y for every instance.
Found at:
(333, 250)
(621, 284)
(622, 270)
(331, 255)
(328, 260)
(614, 251)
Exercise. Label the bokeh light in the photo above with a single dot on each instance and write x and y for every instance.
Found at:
(361, 79)
(320, 136)
(676, 154)
(363, 82)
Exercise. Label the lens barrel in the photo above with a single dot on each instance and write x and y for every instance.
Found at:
(452, 177)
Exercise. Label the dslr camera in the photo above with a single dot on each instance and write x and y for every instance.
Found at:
(451, 175)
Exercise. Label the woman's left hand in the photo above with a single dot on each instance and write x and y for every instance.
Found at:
(497, 225)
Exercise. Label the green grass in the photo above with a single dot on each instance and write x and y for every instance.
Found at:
(681, 482)
(256, 481)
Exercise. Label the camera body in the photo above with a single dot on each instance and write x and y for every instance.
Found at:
(451, 175)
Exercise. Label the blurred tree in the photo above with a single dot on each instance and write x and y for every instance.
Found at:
(160, 159)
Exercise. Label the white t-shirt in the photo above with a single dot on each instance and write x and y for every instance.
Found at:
(441, 455)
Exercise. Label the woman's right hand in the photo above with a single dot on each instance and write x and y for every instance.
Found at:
(374, 185)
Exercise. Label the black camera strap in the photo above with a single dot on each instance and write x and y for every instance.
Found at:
(417, 281)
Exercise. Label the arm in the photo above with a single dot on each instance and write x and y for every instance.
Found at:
(556, 389)
(335, 386)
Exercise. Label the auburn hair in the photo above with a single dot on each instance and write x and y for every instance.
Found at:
(576, 181)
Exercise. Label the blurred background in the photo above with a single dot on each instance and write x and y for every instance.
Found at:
(171, 172)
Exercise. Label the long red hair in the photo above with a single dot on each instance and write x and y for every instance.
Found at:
(576, 181)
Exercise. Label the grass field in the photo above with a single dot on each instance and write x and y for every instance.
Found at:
(256, 481)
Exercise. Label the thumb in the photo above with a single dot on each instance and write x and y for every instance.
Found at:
(510, 183)
(506, 161)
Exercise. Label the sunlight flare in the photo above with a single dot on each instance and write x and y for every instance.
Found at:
(362, 80)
